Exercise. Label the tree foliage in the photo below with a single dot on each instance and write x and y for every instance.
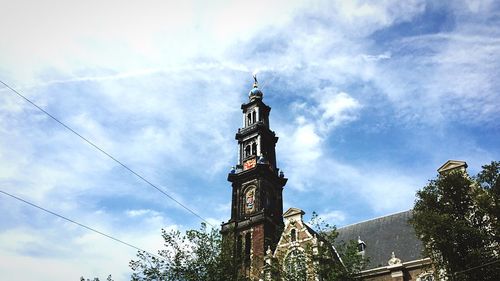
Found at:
(457, 218)
(202, 255)
(347, 261)
(197, 255)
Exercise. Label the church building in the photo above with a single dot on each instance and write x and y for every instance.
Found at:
(265, 236)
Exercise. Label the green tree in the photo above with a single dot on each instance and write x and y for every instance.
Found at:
(489, 199)
(456, 217)
(202, 255)
(197, 255)
(347, 261)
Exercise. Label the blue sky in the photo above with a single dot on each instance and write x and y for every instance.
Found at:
(368, 99)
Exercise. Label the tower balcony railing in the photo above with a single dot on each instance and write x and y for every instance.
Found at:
(251, 127)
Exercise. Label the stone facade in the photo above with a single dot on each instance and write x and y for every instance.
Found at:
(402, 271)
(452, 165)
(299, 238)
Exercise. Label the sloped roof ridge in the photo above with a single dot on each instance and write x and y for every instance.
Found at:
(376, 218)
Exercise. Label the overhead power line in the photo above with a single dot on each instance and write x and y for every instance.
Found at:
(108, 155)
(80, 224)
(475, 267)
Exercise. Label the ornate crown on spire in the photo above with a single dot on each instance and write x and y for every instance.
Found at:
(255, 92)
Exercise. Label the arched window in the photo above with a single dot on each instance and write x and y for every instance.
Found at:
(293, 235)
(254, 116)
(254, 149)
(248, 247)
(247, 150)
(295, 266)
(249, 118)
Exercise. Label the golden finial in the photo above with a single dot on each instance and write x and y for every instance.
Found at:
(255, 83)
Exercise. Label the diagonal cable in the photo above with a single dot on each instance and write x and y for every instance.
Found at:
(109, 155)
(475, 267)
(79, 224)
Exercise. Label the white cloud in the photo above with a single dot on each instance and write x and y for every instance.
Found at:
(125, 37)
(361, 18)
(374, 186)
(326, 110)
(384, 56)
(62, 251)
(334, 217)
(304, 148)
(452, 75)
(338, 109)
(314, 169)
(305, 143)
(158, 85)
(140, 212)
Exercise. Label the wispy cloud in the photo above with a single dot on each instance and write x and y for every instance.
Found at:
(368, 98)
(333, 217)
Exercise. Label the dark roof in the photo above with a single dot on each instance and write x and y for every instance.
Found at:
(383, 236)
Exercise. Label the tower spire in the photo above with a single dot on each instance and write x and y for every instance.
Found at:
(257, 188)
(255, 93)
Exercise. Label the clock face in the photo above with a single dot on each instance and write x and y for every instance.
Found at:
(249, 164)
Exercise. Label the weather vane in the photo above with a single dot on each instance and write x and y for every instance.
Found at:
(255, 78)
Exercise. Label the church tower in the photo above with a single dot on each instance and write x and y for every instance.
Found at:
(257, 185)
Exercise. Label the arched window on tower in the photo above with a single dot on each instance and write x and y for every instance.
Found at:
(293, 235)
(254, 116)
(254, 149)
(248, 247)
(249, 119)
(247, 151)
